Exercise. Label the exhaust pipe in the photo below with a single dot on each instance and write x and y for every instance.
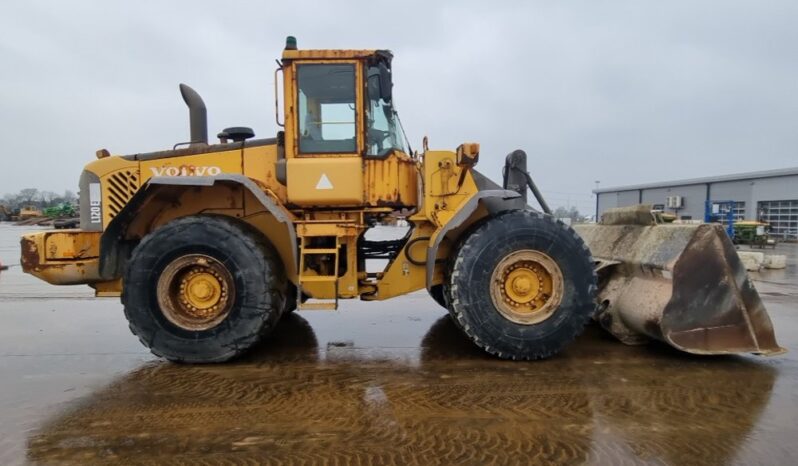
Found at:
(198, 115)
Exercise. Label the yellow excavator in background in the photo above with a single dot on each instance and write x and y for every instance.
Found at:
(208, 245)
(29, 211)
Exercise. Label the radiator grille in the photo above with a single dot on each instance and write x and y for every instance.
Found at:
(120, 187)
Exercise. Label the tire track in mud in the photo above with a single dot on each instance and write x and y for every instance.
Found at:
(285, 405)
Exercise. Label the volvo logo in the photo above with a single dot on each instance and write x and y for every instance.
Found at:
(186, 170)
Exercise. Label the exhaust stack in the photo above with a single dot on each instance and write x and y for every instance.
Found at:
(198, 115)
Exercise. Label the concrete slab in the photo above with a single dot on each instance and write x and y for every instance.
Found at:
(752, 260)
(775, 261)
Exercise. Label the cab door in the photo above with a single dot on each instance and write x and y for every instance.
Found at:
(324, 167)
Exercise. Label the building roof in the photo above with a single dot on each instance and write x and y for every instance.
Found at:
(704, 180)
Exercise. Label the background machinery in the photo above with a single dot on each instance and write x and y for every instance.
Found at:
(753, 233)
(208, 245)
(720, 212)
(62, 210)
(29, 211)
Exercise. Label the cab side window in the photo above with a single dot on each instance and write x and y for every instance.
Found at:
(326, 109)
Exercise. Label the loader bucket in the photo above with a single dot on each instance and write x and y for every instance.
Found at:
(682, 284)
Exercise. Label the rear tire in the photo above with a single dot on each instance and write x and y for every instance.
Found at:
(203, 289)
(522, 286)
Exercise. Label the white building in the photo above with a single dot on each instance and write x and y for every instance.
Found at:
(770, 196)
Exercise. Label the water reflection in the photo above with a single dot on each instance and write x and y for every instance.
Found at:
(297, 399)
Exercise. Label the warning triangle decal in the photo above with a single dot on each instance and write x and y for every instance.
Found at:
(324, 182)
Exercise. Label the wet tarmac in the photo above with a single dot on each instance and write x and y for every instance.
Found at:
(388, 383)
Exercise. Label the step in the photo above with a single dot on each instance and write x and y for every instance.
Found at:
(317, 278)
(306, 250)
(318, 306)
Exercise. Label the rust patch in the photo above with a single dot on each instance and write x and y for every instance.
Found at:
(329, 54)
(29, 258)
(52, 251)
(714, 308)
(682, 284)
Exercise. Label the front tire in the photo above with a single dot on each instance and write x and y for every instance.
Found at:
(203, 289)
(522, 286)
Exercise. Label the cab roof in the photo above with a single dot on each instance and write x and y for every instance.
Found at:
(334, 54)
(292, 52)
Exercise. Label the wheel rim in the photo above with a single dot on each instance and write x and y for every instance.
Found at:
(196, 292)
(527, 287)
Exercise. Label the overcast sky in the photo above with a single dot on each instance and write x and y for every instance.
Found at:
(621, 92)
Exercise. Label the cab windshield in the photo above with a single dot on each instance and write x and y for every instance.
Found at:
(384, 131)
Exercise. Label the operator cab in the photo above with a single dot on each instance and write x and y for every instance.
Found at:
(338, 115)
(343, 102)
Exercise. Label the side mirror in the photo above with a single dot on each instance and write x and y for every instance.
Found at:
(386, 85)
(468, 154)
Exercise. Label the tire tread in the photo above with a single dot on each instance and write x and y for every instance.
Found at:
(459, 272)
(231, 230)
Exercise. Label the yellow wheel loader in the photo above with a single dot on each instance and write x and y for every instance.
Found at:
(209, 244)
